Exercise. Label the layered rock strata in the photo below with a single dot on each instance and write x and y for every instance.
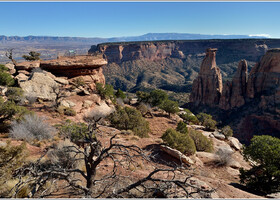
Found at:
(74, 66)
(234, 92)
(207, 87)
(263, 82)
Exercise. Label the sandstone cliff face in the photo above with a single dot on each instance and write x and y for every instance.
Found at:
(233, 50)
(263, 82)
(234, 92)
(207, 87)
(148, 50)
(252, 102)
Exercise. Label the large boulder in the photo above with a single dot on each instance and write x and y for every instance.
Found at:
(11, 68)
(234, 142)
(40, 85)
(177, 154)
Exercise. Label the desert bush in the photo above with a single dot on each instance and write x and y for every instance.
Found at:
(129, 119)
(66, 111)
(223, 157)
(31, 98)
(69, 112)
(142, 96)
(11, 158)
(202, 143)
(98, 112)
(73, 131)
(264, 176)
(155, 97)
(189, 117)
(10, 110)
(5, 78)
(169, 106)
(207, 121)
(120, 102)
(227, 131)
(79, 82)
(181, 142)
(3, 68)
(14, 94)
(182, 127)
(144, 108)
(31, 127)
(32, 56)
(105, 91)
(120, 94)
(63, 155)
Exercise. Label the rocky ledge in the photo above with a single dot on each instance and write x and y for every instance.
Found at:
(74, 66)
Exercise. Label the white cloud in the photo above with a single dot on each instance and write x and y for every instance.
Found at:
(260, 35)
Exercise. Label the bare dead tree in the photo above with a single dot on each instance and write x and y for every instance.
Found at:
(59, 94)
(170, 182)
(9, 54)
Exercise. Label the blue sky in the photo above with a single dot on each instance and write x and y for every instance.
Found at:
(114, 19)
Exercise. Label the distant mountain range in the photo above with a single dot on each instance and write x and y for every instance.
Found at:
(6, 40)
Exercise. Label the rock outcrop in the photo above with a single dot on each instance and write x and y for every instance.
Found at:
(263, 82)
(74, 66)
(40, 85)
(264, 79)
(207, 87)
(28, 65)
(252, 103)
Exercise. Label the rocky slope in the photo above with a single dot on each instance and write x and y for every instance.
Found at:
(173, 65)
(252, 101)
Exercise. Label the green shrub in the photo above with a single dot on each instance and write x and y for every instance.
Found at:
(155, 97)
(182, 127)
(189, 117)
(69, 112)
(264, 175)
(105, 91)
(169, 106)
(66, 111)
(79, 82)
(202, 143)
(3, 68)
(207, 121)
(120, 94)
(142, 96)
(227, 131)
(73, 131)
(5, 78)
(10, 110)
(14, 93)
(129, 119)
(11, 158)
(32, 56)
(181, 142)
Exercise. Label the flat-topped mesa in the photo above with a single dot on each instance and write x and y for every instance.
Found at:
(74, 66)
(234, 92)
(207, 87)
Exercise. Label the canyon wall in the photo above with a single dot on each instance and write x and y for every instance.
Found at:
(249, 49)
(251, 101)
(173, 65)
